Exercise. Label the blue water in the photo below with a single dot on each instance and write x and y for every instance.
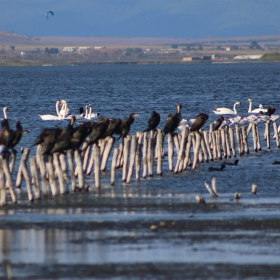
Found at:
(117, 91)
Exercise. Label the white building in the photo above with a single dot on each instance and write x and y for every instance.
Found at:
(69, 49)
(248, 56)
(99, 47)
(84, 48)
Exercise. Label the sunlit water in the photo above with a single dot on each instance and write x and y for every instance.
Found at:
(33, 235)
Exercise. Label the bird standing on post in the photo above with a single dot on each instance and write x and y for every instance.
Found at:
(153, 121)
(172, 121)
(199, 122)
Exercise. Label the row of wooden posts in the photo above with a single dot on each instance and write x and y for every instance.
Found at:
(50, 174)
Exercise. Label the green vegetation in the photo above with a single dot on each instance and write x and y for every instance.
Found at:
(275, 56)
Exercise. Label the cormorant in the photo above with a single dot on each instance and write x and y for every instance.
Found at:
(218, 123)
(7, 135)
(98, 131)
(172, 121)
(199, 122)
(217, 169)
(17, 135)
(153, 121)
(64, 140)
(80, 134)
(113, 127)
(232, 163)
(124, 127)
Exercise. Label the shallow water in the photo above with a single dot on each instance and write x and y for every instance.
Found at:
(107, 233)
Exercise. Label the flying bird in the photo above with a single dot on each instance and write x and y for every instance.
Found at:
(47, 14)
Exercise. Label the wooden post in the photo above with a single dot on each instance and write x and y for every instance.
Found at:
(58, 172)
(71, 169)
(159, 151)
(90, 164)
(126, 146)
(96, 152)
(63, 165)
(138, 155)
(109, 145)
(170, 152)
(276, 134)
(206, 140)
(218, 143)
(13, 159)
(214, 146)
(25, 154)
(196, 148)
(49, 167)
(150, 155)
(259, 139)
(223, 137)
(35, 178)
(227, 142)
(181, 154)
(9, 182)
(86, 157)
(203, 148)
(232, 143)
(145, 148)
(120, 154)
(267, 125)
(176, 143)
(188, 151)
(132, 158)
(2, 185)
(254, 135)
(42, 165)
(79, 166)
(245, 141)
(238, 139)
(113, 166)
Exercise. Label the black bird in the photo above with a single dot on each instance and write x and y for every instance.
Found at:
(217, 169)
(17, 135)
(124, 127)
(270, 111)
(64, 140)
(81, 133)
(232, 163)
(47, 138)
(98, 131)
(218, 123)
(276, 162)
(113, 127)
(172, 121)
(7, 135)
(153, 121)
(199, 122)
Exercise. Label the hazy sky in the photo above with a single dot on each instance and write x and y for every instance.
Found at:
(142, 18)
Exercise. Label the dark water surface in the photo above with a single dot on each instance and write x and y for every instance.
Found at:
(106, 233)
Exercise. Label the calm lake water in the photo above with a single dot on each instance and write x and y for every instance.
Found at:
(106, 233)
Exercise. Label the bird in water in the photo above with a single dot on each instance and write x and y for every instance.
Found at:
(153, 121)
(270, 111)
(276, 162)
(199, 122)
(172, 121)
(231, 163)
(124, 127)
(217, 169)
(218, 123)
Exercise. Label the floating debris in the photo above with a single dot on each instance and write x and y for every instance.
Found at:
(237, 195)
(199, 199)
(254, 189)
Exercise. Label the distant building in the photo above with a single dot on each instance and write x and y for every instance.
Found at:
(99, 47)
(197, 58)
(69, 49)
(215, 56)
(84, 48)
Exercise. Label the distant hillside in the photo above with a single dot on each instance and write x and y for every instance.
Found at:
(14, 38)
